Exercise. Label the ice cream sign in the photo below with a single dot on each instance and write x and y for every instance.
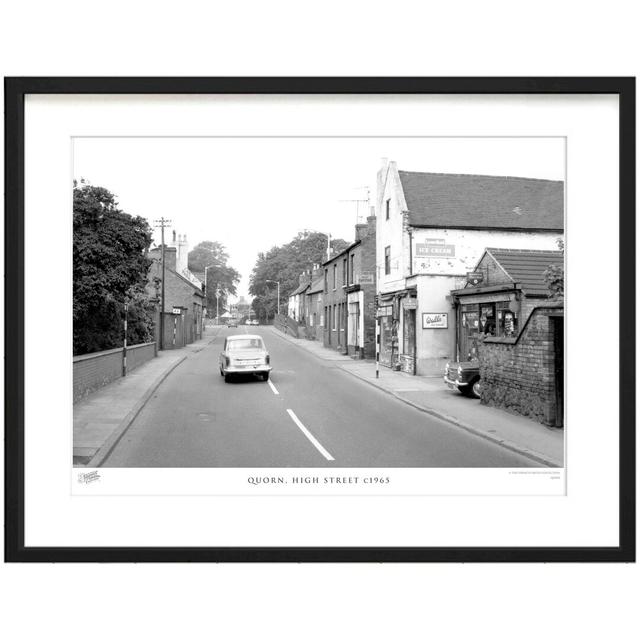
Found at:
(434, 248)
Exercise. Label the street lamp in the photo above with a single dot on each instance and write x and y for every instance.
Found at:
(278, 283)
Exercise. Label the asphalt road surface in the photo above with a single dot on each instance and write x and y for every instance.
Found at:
(309, 414)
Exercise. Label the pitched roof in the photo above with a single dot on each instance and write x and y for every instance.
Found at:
(495, 202)
(527, 267)
(300, 289)
(317, 286)
(198, 289)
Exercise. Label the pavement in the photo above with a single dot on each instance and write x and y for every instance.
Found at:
(430, 395)
(100, 419)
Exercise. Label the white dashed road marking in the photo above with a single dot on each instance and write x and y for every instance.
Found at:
(307, 433)
(273, 388)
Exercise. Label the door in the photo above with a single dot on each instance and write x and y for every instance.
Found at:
(469, 332)
(409, 341)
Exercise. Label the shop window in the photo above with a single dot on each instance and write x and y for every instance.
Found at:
(488, 319)
(507, 320)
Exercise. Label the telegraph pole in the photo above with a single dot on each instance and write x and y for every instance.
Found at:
(161, 224)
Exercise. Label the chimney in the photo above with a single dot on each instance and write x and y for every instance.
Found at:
(371, 221)
(361, 231)
(305, 277)
(170, 258)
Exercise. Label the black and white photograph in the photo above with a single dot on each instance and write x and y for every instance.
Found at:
(335, 302)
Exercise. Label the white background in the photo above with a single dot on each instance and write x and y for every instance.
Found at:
(53, 517)
(370, 38)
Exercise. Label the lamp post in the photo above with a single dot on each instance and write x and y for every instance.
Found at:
(278, 283)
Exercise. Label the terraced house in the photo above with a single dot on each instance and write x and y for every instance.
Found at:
(348, 297)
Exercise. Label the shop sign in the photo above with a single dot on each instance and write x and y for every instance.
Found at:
(366, 277)
(176, 311)
(435, 320)
(384, 311)
(435, 250)
(410, 303)
(475, 277)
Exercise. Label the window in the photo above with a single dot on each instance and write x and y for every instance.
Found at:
(344, 271)
(387, 260)
(351, 265)
(488, 319)
(326, 280)
(335, 317)
(335, 275)
(507, 320)
(387, 208)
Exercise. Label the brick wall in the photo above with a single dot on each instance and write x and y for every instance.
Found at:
(518, 374)
(368, 265)
(95, 370)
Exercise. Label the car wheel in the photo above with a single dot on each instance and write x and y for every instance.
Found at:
(475, 388)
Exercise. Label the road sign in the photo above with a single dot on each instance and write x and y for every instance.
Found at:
(176, 311)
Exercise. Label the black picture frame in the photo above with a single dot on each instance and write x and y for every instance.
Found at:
(15, 91)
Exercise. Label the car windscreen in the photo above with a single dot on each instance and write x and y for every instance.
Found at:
(245, 343)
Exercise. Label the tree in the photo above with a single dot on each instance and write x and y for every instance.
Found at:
(284, 264)
(212, 257)
(554, 276)
(110, 267)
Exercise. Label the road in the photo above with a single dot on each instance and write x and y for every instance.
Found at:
(310, 414)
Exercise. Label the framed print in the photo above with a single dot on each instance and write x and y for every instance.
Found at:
(240, 281)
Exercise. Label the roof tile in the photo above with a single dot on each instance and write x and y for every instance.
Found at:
(452, 200)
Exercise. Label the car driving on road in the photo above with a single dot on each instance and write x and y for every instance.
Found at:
(244, 355)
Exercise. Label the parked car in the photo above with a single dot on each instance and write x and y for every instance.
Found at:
(464, 376)
(255, 323)
(232, 323)
(244, 354)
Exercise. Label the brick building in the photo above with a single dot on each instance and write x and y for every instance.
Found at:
(507, 321)
(348, 300)
(431, 230)
(314, 306)
(184, 299)
(525, 374)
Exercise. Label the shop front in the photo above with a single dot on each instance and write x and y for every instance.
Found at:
(396, 315)
(480, 314)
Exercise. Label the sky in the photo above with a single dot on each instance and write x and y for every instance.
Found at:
(253, 193)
